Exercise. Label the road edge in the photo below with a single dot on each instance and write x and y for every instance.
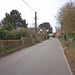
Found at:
(66, 60)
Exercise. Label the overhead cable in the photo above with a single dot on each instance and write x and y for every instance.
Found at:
(28, 5)
(40, 17)
(31, 8)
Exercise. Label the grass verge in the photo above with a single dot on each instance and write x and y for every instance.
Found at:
(70, 53)
(5, 51)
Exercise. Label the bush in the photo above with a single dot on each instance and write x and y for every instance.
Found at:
(14, 34)
(3, 34)
(17, 34)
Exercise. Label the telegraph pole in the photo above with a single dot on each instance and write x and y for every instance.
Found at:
(36, 26)
(35, 22)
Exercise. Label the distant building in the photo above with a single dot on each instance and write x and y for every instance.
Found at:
(42, 31)
(50, 35)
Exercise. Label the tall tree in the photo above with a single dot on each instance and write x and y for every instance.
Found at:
(66, 17)
(46, 26)
(13, 20)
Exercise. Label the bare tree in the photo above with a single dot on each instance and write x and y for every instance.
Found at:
(66, 17)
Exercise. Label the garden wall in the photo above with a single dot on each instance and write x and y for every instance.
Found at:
(5, 44)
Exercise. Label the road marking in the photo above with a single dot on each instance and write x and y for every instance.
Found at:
(66, 60)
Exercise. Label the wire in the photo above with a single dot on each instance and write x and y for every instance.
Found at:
(28, 5)
(40, 18)
(31, 8)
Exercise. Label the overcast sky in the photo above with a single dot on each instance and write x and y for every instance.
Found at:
(46, 9)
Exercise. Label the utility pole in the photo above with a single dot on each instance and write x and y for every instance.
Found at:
(35, 22)
(36, 26)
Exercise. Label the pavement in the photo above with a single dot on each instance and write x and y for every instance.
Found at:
(46, 58)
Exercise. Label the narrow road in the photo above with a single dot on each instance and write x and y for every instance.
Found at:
(45, 58)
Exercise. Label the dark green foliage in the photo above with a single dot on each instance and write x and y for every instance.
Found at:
(14, 34)
(3, 34)
(17, 34)
(13, 21)
(46, 26)
(74, 37)
(8, 26)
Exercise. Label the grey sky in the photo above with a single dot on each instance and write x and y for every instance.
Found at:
(46, 9)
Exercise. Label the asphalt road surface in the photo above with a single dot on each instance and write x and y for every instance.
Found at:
(45, 58)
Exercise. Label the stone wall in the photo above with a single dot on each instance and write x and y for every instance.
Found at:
(5, 44)
(26, 40)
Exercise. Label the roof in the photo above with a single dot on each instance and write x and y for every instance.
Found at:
(74, 32)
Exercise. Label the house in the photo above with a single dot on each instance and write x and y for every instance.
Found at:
(42, 31)
(73, 32)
